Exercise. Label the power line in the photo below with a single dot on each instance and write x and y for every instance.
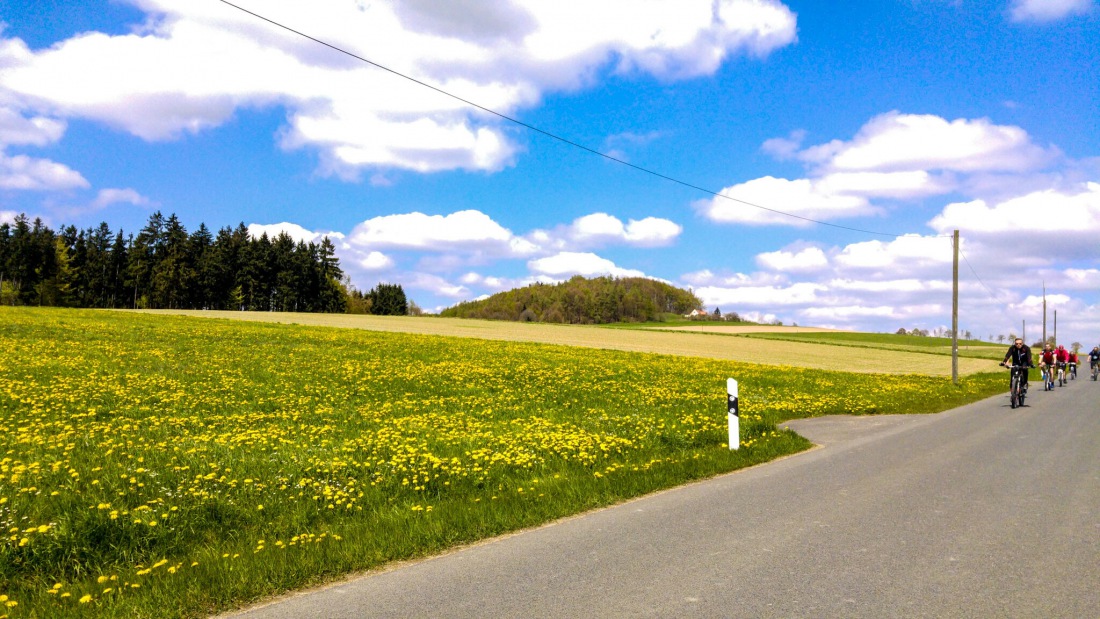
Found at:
(975, 273)
(547, 133)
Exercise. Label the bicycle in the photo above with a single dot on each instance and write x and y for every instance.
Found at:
(1095, 370)
(1017, 388)
(1072, 371)
(1048, 378)
(1062, 374)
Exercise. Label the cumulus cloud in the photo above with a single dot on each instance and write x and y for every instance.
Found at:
(107, 197)
(294, 231)
(1043, 11)
(758, 297)
(374, 261)
(785, 148)
(893, 156)
(896, 142)
(8, 217)
(36, 131)
(906, 184)
(806, 260)
(907, 254)
(32, 174)
(468, 229)
(601, 229)
(192, 66)
(803, 198)
(1031, 224)
(435, 284)
(566, 264)
(846, 313)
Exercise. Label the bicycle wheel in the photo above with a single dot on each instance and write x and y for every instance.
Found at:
(1014, 398)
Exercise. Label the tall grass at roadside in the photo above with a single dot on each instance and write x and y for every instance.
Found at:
(156, 466)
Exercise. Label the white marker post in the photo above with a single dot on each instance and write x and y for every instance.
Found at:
(734, 415)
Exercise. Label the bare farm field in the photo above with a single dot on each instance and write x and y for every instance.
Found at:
(689, 342)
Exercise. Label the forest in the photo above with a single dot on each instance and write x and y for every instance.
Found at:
(598, 300)
(165, 267)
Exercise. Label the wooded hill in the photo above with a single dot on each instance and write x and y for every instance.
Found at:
(598, 300)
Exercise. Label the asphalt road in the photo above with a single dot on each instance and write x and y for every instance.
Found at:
(982, 511)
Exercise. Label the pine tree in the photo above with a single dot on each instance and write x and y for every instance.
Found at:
(388, 300)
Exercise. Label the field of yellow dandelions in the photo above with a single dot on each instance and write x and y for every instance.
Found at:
(171, 466)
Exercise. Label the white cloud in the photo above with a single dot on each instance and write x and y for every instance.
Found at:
(435, 285)
(107, 197)
(1048, 212)
(784, 148)
(846, 313)
(32, 174)
(805, 260)
(1048, 10)
(895, 142)
(37, 131)
(8, 217)
(294, 231)
(904, 254)
(706, 277)
(468, 229)
(801, 293)
(566, 264)
(1031, 225)
(803, 198)
(907, 184)
(191, 66)
(891, 286)
(1081, 279)
(374, 261)
(600, 228)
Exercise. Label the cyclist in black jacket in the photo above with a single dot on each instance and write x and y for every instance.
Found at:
(1020, 354)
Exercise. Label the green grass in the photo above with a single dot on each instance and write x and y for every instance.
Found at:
(887, 341)
(171, 466)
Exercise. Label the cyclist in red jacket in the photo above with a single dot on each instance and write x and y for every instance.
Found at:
(1046, 364)
(1072, 363)
(1062, 357)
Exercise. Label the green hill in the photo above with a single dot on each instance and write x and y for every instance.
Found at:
(598, 300)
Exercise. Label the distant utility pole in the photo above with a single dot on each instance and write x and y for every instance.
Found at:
(1044, 312)
(1055, 326)
(955, 311)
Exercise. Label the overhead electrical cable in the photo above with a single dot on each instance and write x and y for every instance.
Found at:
(547, 133)
(991, 294)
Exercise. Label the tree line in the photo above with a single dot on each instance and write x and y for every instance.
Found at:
(165, 267)
(598, 300)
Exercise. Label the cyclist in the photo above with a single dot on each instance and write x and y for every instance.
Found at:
(1020, 354)
(1046, 363)
(1094, 360)
(1062, 356)
(1073, 363)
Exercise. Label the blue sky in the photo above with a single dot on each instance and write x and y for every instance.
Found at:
(896, 121)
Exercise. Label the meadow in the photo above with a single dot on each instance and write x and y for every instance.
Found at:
(972, 349)
(155, 465)
(700, 339)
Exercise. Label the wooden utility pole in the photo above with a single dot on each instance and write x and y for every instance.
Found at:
(1055, 327)
(1044, 312)
(955, 311)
